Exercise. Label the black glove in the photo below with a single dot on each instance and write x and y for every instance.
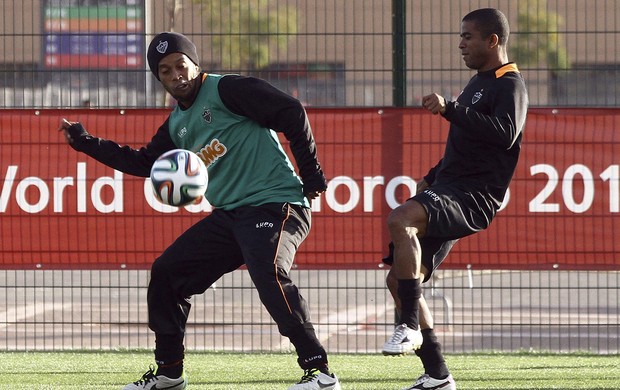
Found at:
(75, 134)
(316, 183)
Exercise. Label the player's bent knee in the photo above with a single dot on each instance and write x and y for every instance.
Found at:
(410, 215)
(396, 221)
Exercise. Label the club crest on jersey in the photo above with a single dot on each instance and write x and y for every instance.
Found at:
(162, 47)
(206, 115)
(477, 96)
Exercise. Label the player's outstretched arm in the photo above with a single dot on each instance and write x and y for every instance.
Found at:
(136, 162)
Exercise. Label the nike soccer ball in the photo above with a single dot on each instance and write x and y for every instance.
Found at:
(179, 177)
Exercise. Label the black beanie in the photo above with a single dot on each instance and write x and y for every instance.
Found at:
(166, 43)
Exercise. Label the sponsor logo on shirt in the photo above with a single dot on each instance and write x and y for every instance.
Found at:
(182, 132)
(212, 151)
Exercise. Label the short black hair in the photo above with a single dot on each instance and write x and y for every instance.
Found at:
(490, 21)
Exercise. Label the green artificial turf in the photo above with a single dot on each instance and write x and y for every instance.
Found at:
(248, 371)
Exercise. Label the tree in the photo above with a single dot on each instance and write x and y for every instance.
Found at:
(538, 42)
(246, 31)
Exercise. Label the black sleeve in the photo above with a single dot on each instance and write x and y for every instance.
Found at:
(505, 123)
(136, 162)
(271, 108)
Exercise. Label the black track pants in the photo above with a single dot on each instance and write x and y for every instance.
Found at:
(265, 239)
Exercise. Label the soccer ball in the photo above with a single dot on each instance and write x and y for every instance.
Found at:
(179, 177)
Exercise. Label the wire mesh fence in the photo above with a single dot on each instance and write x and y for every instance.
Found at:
(475, 311)
(73, 53)
(90, 54)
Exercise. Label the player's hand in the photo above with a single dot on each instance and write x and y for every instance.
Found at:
(434, 103)
(313, 194)
(314, 185)
(64, 127)
(72, 131)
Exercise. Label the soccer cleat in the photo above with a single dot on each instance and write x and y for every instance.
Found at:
(429, 383)
(314, 379)
(403, 341)
(151, 381)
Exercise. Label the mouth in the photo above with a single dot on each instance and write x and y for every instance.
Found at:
(181, 87)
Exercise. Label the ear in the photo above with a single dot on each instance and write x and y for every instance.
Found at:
(493, 41)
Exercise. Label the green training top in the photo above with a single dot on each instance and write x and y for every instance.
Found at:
(246, 163)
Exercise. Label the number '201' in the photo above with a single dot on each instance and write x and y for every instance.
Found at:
(575, 172)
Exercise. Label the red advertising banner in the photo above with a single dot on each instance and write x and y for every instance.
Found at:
(60, 209)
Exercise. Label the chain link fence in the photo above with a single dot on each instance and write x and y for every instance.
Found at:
(61, 54)
(75, 53)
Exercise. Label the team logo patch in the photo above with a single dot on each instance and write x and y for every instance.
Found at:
(476, 98)
(206, 115)
(162, 47)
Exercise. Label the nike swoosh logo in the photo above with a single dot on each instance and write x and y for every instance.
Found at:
(170, 387)
(438, 387)
(325, 385)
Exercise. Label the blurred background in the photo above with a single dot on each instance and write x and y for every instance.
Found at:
(73, 53)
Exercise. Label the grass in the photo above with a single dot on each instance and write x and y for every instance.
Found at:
(219, 371)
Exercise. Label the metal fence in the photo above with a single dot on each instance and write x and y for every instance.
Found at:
(72, 53)
(555, 311)
(330, 54)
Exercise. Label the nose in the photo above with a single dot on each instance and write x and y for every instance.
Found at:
(176, 74)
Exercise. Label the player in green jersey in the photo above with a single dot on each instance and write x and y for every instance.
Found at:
(261, 205)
